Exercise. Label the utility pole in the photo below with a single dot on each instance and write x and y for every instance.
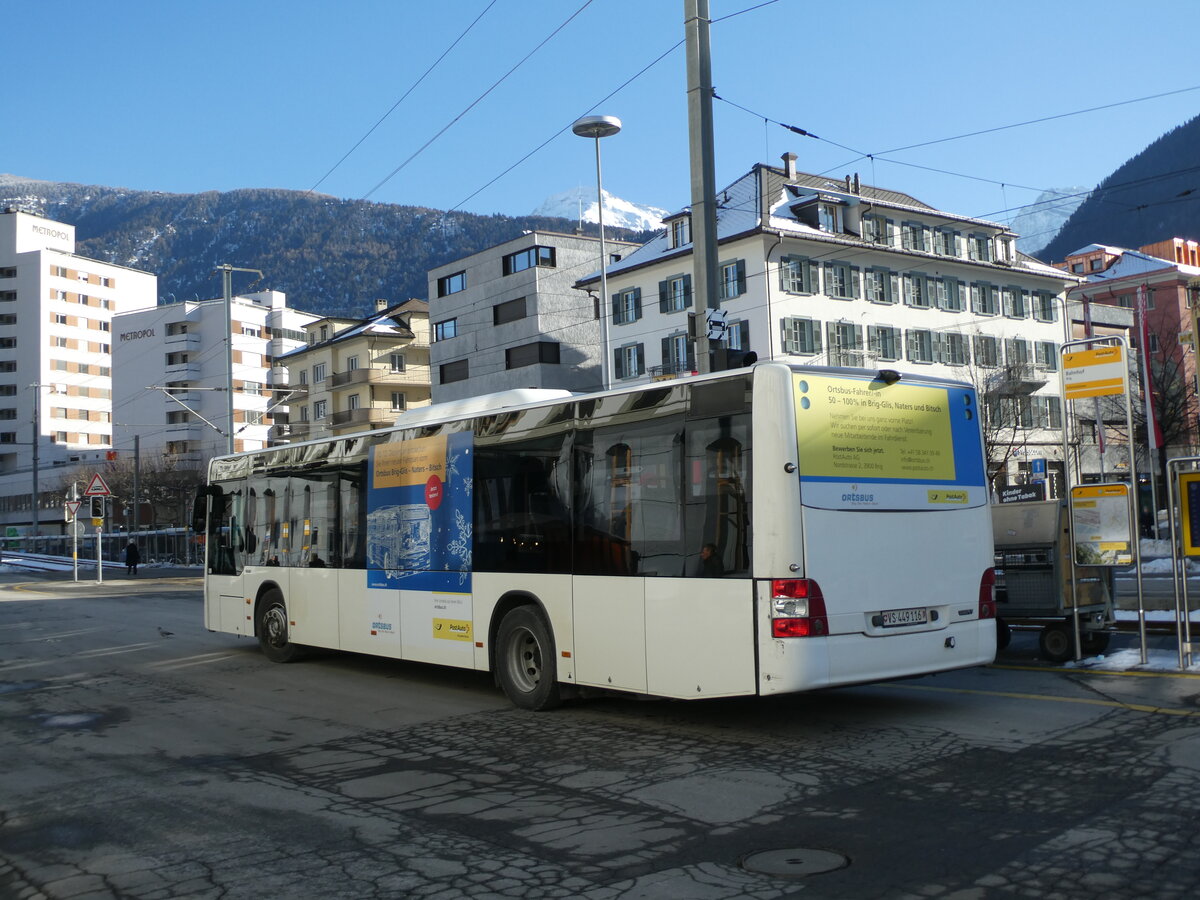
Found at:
(227, 271)
(704, 179)
(37, 437)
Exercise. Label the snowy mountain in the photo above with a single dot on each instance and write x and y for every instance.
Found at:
(1040, 221)
(580, 204)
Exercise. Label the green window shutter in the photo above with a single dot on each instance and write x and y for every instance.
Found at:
(637, 304)
(688, 300)
(741, 277)
(855, 282)
(615, 306)
(662, 296)
(618, 364)
(641, 359)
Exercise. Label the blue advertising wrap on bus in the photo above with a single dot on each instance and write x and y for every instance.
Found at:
(419, 514)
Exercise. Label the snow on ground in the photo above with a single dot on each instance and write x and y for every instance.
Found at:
(1131, 661)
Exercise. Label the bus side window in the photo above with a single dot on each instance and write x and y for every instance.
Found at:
(717, 499)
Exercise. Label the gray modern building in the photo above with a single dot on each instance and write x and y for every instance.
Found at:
(510, 317)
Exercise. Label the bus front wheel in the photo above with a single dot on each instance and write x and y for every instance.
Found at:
(525, 660)
(273, 629)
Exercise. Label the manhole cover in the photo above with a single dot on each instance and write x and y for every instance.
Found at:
(794, 863)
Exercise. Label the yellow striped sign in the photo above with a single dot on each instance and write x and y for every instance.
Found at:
(1094, 373)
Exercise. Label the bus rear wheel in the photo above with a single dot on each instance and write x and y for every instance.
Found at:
(272, 627)
(525, 660)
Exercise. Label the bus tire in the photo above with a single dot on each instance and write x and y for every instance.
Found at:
(525, 660)
(272, 627)
(1057, 643)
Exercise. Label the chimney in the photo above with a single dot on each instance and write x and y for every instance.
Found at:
(857, 184)
(380, 305)
(789, 166)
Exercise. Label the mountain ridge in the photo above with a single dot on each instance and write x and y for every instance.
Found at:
(330, 256)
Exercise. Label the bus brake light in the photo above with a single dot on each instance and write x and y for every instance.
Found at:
(987, 594)
(798, 609)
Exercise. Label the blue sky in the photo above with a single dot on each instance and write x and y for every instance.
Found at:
(206, 95)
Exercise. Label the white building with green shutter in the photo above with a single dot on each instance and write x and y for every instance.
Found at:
(827, 272)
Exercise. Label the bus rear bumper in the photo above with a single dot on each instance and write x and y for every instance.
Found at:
(802, 664)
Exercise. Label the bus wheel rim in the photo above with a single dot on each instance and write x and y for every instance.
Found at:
(525, 660)
(276, 627)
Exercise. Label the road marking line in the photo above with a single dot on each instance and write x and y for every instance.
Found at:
(1087, 701)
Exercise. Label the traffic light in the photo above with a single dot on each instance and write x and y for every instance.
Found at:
(97, 507)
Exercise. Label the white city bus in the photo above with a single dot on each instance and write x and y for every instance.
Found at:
(762, 531)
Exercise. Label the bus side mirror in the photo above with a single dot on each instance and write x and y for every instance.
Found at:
(200, 512)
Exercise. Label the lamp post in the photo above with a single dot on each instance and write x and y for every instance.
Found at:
(597, 127)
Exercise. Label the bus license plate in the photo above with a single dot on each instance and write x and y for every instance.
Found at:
(897, 618)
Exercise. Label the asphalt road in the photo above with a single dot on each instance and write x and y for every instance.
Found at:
(146, 758)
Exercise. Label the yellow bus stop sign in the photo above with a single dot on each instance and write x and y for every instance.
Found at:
(1189, 508)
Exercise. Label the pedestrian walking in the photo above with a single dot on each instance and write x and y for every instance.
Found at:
(132, 558)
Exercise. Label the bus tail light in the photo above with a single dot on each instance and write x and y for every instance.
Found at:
(797, 609)
(987, 594)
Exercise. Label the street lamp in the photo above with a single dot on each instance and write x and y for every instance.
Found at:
(597, 127)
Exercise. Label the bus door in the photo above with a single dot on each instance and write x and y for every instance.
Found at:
(226, 558)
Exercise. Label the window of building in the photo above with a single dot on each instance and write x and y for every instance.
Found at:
(10, 366)
(845, 344)
(8, 390)
(876, 230)
(8, 272)
(318, 372)
(353, 402)
(1015, 306)
(352, 364)
(627, 306)
(1047, 412)
(829, 217)
(797, 274)
(178, 358)
(912, 236)
(451, 284)
(880, 285)
(732, 279)
(8, 437)
(983, 299)
(676, 355)
(508, 311)
(916, 293)
(987, 350)
(945, 242)
(1016, 352)
(454, 371)
(920, 345)
(319, 408)
(303, 413)
(531, 354)
(884, 341)
(60, 319)
(629, 361)
(8, 296)
(8, 319)
(801, 336)
(1045, 354)
(980, 247)
(1077, 268)
(252, 387)
(324, 332)
(399, 403)
(679, 233)
(396, 362)
(675, 294)
(8, 413)
(1097, 264)
(445, 330)
(841, 280)
(1043, 307)
(950, 348)
(178, 417)
(303, 376)
(524, 259)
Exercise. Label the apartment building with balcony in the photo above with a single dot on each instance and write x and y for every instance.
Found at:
(359, 374)
(56, 363)
(819, 271)
(511, 316)
(171, 375)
